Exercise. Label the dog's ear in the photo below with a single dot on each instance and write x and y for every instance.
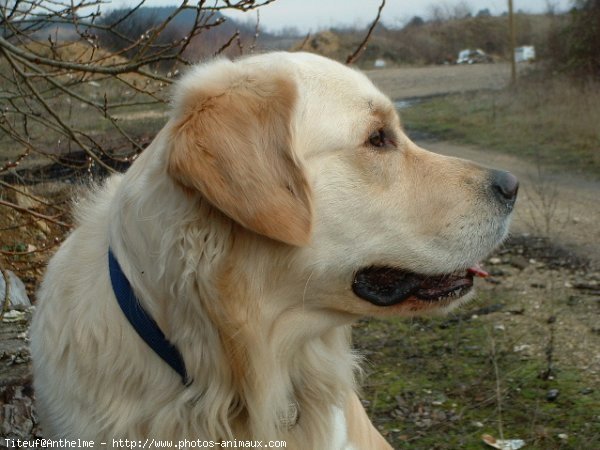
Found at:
(232, 142)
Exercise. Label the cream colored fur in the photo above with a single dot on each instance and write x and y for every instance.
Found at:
(240, 228)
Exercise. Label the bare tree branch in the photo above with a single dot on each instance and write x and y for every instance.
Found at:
(361, 47)
(34, 213)
(83, 91)
(109, 70)
(31, 196)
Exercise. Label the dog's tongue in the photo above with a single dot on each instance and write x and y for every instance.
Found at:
(478, 271)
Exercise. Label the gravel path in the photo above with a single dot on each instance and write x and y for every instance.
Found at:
(413, 82)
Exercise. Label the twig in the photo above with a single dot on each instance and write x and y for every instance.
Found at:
(34, 214)
(228, 43)
(6, 300)
(304, 41)
(46, 79)
(97, 106)
(548, 373)
(113, 70)
(15, 162)
(363, 45)
(27, 252)
(498, 385)
(256, 32)
(31, 196)
(71, 132)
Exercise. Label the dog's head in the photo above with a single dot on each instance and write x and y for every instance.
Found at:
(303, 151)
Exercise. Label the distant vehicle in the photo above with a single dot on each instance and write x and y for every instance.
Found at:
(525, 53)
(470, 56)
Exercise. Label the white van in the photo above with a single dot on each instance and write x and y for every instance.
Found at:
(525, 53)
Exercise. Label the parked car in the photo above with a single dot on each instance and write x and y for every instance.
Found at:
(473, 56)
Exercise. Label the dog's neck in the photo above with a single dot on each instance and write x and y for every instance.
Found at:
(251, 348)
(271, 358)
(275, 352)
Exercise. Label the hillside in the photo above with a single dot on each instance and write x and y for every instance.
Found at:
(417, 43)
(434, 42)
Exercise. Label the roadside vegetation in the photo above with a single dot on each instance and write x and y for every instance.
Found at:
(551, 115)
(435, 384)
(438, 40)
(553, 121)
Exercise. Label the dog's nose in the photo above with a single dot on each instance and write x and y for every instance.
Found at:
(505, 187)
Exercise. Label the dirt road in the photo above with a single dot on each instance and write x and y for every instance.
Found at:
(437, 80)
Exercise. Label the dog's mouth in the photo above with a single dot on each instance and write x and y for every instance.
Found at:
(387, 286)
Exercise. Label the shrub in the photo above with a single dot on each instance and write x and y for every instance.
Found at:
(575, 48)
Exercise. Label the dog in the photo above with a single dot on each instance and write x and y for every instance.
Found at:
(207, 293)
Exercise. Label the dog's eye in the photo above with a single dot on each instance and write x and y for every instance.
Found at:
(378, 138)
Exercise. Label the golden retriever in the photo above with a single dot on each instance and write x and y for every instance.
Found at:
(281, 202)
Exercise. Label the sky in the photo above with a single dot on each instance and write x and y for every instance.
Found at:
(313, 15)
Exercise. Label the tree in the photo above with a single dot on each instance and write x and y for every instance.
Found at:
(575, 48)
(551, 7)
(72, 78)
(583, 39)
(416, 21)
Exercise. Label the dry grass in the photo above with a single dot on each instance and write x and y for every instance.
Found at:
(436, 41)
(75, 51)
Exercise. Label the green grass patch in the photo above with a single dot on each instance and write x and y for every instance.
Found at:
(442, 384)
(554, 122)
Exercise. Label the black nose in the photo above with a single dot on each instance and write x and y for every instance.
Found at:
(505, 187)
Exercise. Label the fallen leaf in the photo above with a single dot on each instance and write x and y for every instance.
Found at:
(503, 444)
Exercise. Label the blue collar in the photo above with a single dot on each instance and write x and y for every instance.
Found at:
(142, 322)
